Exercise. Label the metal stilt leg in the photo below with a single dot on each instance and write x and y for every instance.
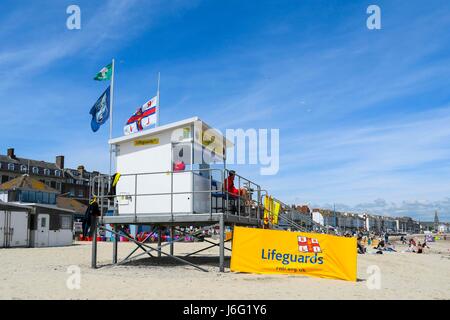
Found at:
(159, 241)
(172, 235)
(94, 244)
(115, 245)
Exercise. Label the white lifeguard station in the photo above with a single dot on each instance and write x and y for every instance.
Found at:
(171, 176)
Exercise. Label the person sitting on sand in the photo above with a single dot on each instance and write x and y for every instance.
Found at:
(380, 245)
(419, 248)
(361, 249)
(390, 247)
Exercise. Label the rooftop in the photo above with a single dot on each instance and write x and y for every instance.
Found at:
(71, 204)
(166, 127)
(31, 163)
(25, 182)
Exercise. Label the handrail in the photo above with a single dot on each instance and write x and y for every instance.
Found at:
(285, 209)
(100, 180)
(282, 215)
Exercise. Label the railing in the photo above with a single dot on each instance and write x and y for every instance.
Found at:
(286, 215)
(230, 203)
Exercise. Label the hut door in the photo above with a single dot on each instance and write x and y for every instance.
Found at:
(43, 230)
(19, 229)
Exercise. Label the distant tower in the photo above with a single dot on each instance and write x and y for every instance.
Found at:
(436, 221)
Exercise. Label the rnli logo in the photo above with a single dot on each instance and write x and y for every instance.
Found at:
(306, 244)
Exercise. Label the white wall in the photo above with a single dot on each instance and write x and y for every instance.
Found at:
(317, 217)
(61, 237)
(133, 159)
(4, 196)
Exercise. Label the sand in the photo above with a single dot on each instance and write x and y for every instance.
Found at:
(41, 273)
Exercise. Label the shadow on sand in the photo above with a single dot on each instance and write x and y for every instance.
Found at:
(165, 261)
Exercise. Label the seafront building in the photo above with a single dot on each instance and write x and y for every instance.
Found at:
(72, 187)
(345, 222)
(74, 183)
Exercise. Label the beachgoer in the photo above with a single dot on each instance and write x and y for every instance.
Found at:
(361, 249)
(90, 217)
(230, 188)
(380, 245)
(403, 240)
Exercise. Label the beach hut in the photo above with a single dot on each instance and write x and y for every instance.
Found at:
(14, 222)
(36, 214)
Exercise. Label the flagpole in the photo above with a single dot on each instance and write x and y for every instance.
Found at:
(157, 110)
(111, 98)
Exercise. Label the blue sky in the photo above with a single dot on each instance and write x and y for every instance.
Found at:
(363, 115)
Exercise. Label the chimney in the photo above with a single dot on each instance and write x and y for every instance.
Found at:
(80, 169)
(11, 153)
(60, 162)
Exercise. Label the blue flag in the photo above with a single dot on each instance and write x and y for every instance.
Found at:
(100, 110)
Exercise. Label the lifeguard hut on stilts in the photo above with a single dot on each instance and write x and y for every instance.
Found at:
(172, 176)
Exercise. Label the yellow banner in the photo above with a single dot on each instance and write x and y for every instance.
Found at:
(271, 210)
(146, 142)
(312, 254)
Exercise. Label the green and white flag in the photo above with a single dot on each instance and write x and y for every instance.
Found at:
(105, 73)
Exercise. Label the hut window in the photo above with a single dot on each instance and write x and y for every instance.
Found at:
(57, 173)
(35, 170)
(23, 168)
(31, 196)
(45, 197)
(181, 157)
(39, 197)
(10, 166)
(55, 222)
(47, 172)
(51, 198)
(66, 222)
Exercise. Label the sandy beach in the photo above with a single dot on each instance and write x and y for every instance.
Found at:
(41, 273)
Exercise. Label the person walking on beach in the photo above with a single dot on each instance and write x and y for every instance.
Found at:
(90, 218)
